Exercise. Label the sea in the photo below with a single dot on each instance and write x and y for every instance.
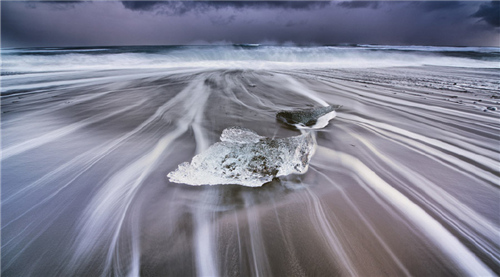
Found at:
(21, 60)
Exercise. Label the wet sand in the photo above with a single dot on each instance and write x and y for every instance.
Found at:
(404, 181)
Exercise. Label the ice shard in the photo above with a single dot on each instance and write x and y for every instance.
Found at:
(314, 118)
(240, 135)
(245, 158)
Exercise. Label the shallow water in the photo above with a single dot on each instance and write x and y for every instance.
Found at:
(404, 180)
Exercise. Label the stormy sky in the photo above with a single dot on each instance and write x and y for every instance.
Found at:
(100, 23)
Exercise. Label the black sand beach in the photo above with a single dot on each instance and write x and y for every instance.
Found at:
(404, 180)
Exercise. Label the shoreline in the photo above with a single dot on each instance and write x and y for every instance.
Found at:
(85, 192)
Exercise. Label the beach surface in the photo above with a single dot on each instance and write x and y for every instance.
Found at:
(404, 180)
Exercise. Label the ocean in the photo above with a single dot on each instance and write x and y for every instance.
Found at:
(402, 180)
(252, 56)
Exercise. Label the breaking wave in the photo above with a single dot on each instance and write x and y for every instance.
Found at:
(239, 56)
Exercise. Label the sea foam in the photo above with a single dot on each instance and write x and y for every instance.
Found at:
(237, 56)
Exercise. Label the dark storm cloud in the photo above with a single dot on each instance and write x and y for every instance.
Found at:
(62, 2)
(359, 4)
(142, 5)
(55, 4)
(181, 7)
(90, 23)
(490, 13)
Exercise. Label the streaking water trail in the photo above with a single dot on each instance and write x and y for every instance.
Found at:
(403, 182)
(54, 135)
(368, 225)
(329, 234)
(120, 190)
(432, 229)
(456, 162)
(206, 260)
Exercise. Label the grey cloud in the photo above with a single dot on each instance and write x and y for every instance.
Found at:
(490, 13)
(222, 20)
(359, 4)
(293, 23)
(304, 23)
(141, 5)
(439, 5)
(54, 5)
(181, 7)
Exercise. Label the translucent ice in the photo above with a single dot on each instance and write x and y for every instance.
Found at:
(240, 135)
(245, 158)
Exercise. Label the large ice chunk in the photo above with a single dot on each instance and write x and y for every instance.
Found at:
(245, 158)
